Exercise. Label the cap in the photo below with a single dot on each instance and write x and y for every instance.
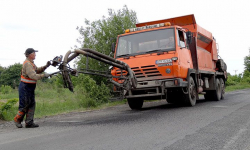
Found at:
(29, 51)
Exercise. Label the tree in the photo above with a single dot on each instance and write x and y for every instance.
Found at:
(1, 69)
(11, 75)
(99, 35)
(247, 63)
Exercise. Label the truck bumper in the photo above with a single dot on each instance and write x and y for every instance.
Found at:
(155, 89)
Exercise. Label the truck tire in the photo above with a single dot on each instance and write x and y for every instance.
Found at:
(222, 83)
(217, 92)
(190, 98)
(135, 104)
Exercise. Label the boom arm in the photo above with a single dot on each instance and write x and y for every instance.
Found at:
(130, 79)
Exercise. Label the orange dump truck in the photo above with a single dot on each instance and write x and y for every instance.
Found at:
(173, 59)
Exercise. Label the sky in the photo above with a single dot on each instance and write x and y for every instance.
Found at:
(49, 26)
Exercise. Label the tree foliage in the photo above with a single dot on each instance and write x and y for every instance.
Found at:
(237, 79)
(99, 35)
(247, 63)
(89, 93)
(11, 75)
(1, 69)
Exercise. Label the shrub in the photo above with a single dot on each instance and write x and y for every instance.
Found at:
(6, 89)
(238, 79)
(5, 107)
(230, 81)
(89, 93)
(246, 80)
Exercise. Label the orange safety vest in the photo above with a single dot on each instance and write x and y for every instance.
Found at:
(28, 80)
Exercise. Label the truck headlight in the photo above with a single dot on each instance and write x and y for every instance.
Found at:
(174, 58)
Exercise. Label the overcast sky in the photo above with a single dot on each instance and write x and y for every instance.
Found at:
(50, 25)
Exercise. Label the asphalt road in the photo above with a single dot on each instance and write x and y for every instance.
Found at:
(210, 125)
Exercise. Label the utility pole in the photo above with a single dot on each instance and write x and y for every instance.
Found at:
(235, 71)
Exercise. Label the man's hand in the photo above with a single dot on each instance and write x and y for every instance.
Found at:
(46, 75)
(48, 64)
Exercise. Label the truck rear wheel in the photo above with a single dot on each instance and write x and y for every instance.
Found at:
(217, 92)
(190, 98)
(222, 84)
(135, 104)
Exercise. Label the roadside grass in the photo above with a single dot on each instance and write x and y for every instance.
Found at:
(51, 100)
(238, 86)
(10, 95)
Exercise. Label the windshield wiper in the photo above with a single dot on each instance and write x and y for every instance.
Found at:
(157, 50)
(124, 55)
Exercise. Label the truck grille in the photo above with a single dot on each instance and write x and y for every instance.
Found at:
(146, 71)
(143, 71)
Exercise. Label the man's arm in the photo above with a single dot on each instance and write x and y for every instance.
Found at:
(30, 72)
(41, 69)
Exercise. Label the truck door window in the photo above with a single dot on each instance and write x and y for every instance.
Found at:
(181, 41)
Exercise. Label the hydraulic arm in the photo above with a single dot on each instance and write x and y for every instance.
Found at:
(130, 81)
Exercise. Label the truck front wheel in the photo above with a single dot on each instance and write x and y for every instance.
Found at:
(190, 98)
(135, 104)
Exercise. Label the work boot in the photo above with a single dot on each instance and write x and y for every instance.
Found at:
(32, 125)
(18, 124)
(18, 119)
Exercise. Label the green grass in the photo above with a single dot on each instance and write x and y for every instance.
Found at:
(51, 100)
(238, 86)
(12, 94)
(48, 108)
(51, 109)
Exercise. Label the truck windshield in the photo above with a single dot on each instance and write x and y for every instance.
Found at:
(146, 42)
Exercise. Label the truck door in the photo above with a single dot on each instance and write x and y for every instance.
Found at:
(184, 55)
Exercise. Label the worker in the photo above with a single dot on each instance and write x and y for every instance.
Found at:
(29, 76)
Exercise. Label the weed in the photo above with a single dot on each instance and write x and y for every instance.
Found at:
(6, 109)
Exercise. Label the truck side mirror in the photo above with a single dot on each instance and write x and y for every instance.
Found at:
(189, 35)
(113, 47)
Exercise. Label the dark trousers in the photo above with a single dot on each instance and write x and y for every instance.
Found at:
(27, 102)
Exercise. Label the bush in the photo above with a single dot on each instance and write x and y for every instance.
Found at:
(89, 93)
(6, 89)
(5, 107)
(246, 76)
(246, 80)
(238, 79)
(230, 81)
